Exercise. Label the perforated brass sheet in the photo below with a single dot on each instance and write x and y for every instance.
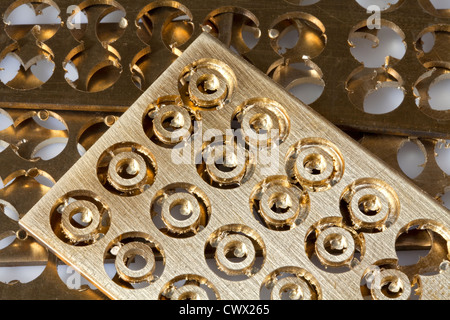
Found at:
(325, 198)
(433, 179)
(114, 59)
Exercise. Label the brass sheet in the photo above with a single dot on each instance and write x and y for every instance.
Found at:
(110, 57)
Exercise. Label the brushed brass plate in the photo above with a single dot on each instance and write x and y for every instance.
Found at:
(289, 205)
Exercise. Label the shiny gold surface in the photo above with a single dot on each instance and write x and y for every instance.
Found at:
(340, 210)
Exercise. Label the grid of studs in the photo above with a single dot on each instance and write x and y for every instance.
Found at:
(234, 249)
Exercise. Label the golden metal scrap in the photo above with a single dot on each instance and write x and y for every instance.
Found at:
(340, 211)
(129, 54)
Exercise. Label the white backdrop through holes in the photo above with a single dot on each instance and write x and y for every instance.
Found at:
(410, 157)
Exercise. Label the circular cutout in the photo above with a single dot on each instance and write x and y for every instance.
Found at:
(430, 45)
(427, 41)
(261, 123)
(370, 204)
(237, 27)
(432, 238)
(138, 260)
(444, 198)
(10, 65)
(21, 17)
(385, 281)
(133, 250)
(92, 131)
(80, 218)
(166, 21)
(377, 48)
(97, 68)
(384, 100)
(8, 210)
(167, 122)
(80, 221)
(308, 93)
(375, 91)
(181, 210)
(431, 91)
(148, 65)
(6, 121)
(303, 79)
(126, 169)
(15, 243)
(438, 93)
(207, 84)
(108, 17)
(49, 149)
(29, 72)
(236, 249)
(333, 244)
(225, 164)
(290, 283)
(6, 239)
(437, 8)
(189, 287)
(411, 158)
(279, 204)
(35, 181)
(169, 19)
(413, 244)
(296, 35)
(442, 154)
(393, 285)
(111, 25)
(49, 143)
(315, 163)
